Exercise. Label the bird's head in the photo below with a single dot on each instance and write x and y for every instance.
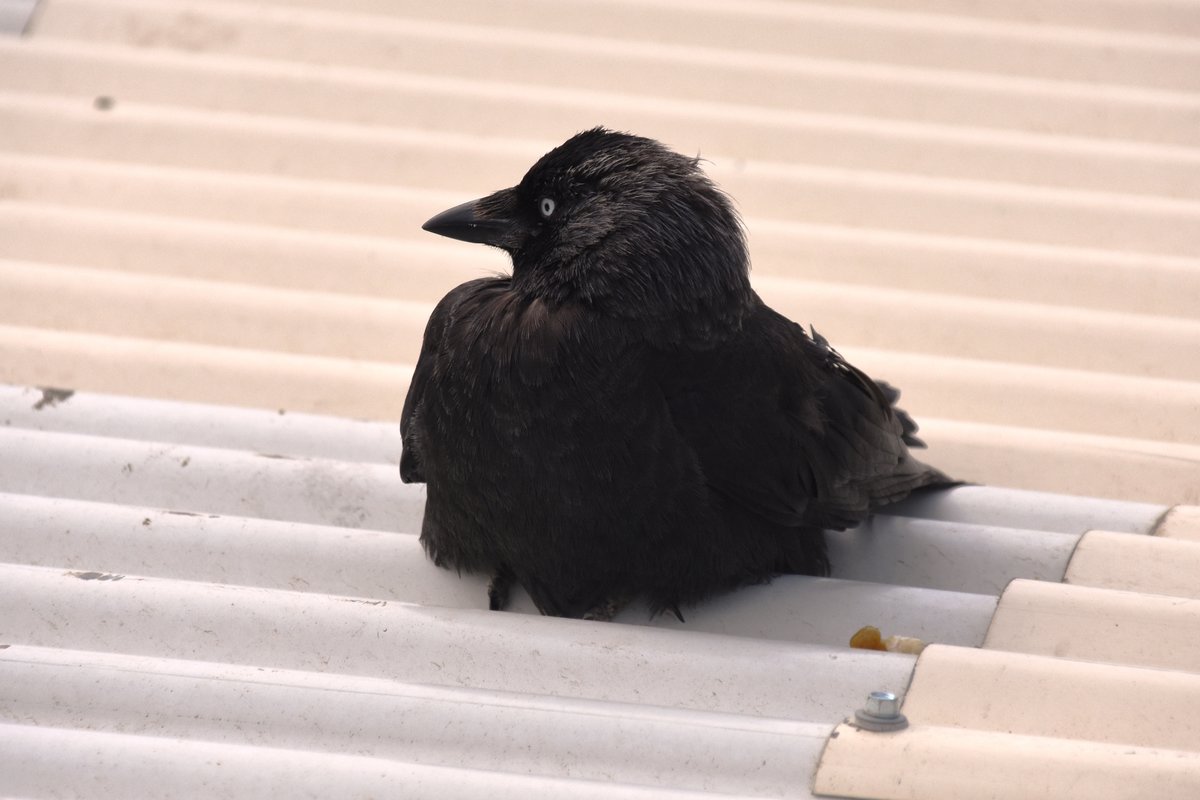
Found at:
(615, 221)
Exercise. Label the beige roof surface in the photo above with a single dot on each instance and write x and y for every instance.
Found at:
(998, 209)
(995, 206)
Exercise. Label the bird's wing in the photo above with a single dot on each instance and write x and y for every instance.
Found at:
(411, 433)
(783, 426)
(429, 364)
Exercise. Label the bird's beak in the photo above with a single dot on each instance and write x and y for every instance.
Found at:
(489, 220)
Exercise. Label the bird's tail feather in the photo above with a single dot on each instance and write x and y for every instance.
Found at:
(908, 425)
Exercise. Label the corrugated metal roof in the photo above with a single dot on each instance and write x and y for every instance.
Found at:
(995, 206)
(238, 581)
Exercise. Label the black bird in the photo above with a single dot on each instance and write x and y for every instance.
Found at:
(623, 417)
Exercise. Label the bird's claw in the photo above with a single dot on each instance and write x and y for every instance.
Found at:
(498, 589)
(606, 609)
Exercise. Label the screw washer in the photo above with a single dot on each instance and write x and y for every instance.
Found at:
(881, 714)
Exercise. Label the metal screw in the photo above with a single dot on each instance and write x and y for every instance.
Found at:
(883, 705)
(882, 713)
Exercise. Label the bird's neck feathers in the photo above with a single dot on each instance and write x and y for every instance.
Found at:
(678, 266)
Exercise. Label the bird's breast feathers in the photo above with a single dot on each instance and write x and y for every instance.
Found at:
(504, 336)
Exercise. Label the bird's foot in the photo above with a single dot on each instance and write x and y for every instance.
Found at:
(607, 609)
(498, 589)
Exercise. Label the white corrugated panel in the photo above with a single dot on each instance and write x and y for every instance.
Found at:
(994, 206)
(227, 599)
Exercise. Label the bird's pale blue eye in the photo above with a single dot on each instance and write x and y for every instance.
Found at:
(547, 206)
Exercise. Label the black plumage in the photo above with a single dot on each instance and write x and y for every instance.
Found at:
(623, 416)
